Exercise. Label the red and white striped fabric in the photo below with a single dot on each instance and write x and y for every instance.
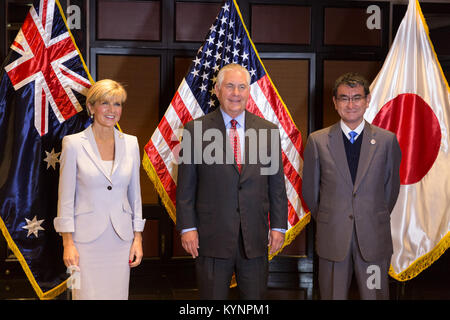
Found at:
(227, 42)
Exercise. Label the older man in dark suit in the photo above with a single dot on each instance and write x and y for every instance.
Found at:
(225, 192)
(350, 183)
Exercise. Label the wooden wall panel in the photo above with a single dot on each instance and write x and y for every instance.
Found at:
(192, 20)
(182, 65)
(292, 24)
(297, 246)
(332, 70)
(439, 26)
(291, 78)
(347, 26)
(16, 14)
(140, 76)
(150, 239)
(437, 17)
(129, 20)
(177, 248)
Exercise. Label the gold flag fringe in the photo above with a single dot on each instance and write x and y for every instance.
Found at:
(42, 295)
(423, 262)
(62, 286)
(428, 259)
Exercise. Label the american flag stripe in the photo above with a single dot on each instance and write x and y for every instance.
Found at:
(173, 121)
(293, 217)
(290, 156)
(291, 174)
(180, 108)
(281, 112)
(189, 101)
(227, 42)
(266, 108)
(291, 194)
(161, 169)
(165, 151)
(160, 146)
(167, 133)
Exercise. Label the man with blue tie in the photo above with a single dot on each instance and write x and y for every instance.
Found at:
(223, 206)
(351, 182)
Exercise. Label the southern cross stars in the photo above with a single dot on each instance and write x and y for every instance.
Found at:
(33, 226)
(52, 158)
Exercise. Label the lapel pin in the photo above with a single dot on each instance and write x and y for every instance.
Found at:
(372, 141)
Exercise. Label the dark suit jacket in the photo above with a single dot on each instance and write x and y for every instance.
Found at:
(218, 201)
(337, 204)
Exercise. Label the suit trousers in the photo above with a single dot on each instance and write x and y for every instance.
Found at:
(371, 276)
(214, 275)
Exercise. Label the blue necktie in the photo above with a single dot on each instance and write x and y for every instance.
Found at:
(352, 135)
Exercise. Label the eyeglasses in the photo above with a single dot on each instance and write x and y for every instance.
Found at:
(346, 99)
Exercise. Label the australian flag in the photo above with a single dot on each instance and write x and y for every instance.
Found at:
(42, 92)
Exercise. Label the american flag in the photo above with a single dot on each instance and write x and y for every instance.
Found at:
(42, 90)
(227, 42)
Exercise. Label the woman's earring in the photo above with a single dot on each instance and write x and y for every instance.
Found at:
(92, 116)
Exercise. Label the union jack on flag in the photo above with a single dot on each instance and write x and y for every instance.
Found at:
(46, 59)
(227, 42)
(42, 90)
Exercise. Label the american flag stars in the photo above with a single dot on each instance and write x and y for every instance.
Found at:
(223, 46)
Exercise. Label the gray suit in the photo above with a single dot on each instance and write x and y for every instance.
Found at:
(230, 209)
(342, 210)
(102, 209)
(89, 197)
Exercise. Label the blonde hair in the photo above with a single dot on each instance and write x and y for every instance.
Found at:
(105, 89)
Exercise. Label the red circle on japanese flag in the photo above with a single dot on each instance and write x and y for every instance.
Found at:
(418, 132)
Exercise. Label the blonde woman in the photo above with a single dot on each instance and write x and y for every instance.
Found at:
(99, 205)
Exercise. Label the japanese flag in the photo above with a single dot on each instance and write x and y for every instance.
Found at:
(410, 97)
